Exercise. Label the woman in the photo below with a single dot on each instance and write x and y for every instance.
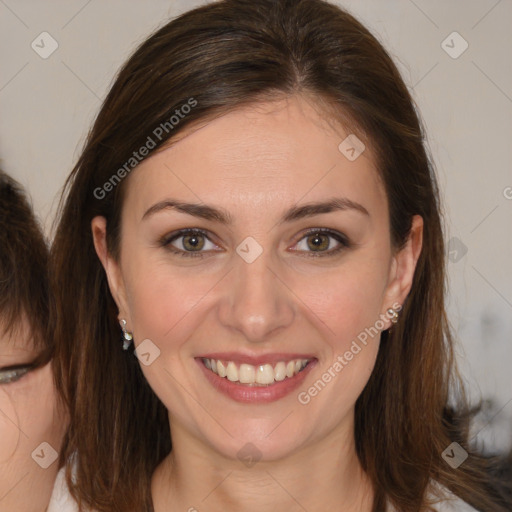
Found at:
(255, 214)
(32, 420)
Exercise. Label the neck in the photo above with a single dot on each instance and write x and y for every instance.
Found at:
(325, 475)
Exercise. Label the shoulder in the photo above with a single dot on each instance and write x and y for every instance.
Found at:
(446, 501)
(443, 500)
(453, 504)
(61, 500)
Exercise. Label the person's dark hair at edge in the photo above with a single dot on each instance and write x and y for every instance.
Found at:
(225, 55)
(23, 269)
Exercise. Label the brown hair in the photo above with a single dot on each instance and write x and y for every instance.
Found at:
(225, 55)
(23, 267)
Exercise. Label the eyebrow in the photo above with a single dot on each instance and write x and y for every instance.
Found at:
(220, 215)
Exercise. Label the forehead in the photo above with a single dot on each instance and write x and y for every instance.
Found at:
(272, 152)
(17, 340)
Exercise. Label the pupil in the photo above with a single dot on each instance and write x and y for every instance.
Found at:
(193, 242)
(319, 241)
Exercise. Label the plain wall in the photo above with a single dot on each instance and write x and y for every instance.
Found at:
(48, 105)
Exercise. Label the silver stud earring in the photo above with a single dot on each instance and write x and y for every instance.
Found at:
(393, 315)
(127, 336)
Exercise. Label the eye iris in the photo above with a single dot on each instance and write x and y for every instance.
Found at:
(319, 241)
(7, 376)
(193, 242)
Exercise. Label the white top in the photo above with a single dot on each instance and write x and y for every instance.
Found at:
(61, 500)
(448, 503)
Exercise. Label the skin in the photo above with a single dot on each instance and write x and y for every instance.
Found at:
(30, 414)
(255, 163)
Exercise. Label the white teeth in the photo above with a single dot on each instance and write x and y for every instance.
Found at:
(232, 372)
(265, 374)
(246, 374)
(280, 371)
(262, 375)
(221, 369)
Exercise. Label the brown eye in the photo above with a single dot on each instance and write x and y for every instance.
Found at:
(318, 242)
(322, 243)
(194, 242)
(189, 242)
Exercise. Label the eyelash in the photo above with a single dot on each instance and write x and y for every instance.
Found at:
(341, 239)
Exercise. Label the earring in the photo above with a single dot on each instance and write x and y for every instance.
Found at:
(127, 336)
(393, 315)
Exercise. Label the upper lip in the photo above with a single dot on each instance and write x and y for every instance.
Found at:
(256, 360)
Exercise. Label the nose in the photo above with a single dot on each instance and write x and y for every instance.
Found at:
(257, 303)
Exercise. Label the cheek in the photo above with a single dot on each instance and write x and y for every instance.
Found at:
(9, 432)
(348, 300)
(164, 302)
(160, 297)
(29, 418)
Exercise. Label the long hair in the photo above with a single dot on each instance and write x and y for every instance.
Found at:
(214, 59)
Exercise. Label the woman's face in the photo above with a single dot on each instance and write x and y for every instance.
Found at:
(31, 425)
(288, 262)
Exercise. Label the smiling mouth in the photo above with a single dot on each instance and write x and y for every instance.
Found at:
(255, 375)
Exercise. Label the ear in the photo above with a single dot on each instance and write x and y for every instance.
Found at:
(402, 268)
(111, 266)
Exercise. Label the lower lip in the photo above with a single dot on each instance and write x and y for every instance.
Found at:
(256, 394)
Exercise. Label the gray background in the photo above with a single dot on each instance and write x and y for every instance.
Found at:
(47, 106)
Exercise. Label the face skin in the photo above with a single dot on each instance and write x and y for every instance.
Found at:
(256, 163)
(29, 416)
